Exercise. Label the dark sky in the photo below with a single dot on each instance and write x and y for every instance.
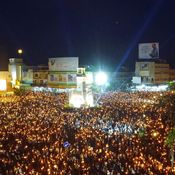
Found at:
(103, 32)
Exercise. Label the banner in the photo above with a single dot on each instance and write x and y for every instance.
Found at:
(55, 78)
(144, 66)
(63, 64)
(62, 77)
(148, 50)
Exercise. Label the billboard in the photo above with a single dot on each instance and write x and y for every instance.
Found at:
(55, 78)
(144, 66)
(63, 78)
(136, 80)
(148, 50)
(72, 78)
(63, 64)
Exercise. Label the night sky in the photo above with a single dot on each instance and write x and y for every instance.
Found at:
(101, 32)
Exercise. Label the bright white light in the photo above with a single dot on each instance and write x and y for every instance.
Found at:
(19, 51)
(89, 78)
(76, 100)
(3, 85)
(14, 77)
(152, 88)
(101, 78)
(90, 100)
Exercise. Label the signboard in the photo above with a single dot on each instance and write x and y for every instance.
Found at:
(71, 78)
(148, 50)
(55, 78)
(144, 73)
(144, 66)
(60, 77)
(63, 64)
(136, 80)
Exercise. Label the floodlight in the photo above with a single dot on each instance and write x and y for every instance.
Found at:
(101, 78)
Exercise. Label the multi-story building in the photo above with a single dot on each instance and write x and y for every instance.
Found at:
(35, 75)
(27, 75)
(172, 74)
(152, 72)
(5, 81)
(40, 75)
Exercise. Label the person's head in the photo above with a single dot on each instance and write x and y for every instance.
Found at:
(154, 45)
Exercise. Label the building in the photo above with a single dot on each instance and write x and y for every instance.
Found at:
(62, 72)
(40, 75)
(172, 74)
(152, 72)
(15, 70)
(5, 81)
(150, 69)
(35, 75)
(27, 75)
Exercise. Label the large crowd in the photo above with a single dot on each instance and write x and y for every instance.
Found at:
(124, 134)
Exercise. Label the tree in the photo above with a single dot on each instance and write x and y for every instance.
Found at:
(169, 102)
(20, 92)
(170, 140)
(171, 85)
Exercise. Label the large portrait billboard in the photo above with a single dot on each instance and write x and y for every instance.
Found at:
(63, 64)
(148, 50)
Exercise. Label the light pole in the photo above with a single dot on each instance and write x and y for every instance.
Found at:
(19, 67)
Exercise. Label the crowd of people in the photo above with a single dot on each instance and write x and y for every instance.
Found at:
(125, 134)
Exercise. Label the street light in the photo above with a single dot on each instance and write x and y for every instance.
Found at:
(20, 51)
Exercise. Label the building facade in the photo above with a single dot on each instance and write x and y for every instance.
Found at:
(172, 74)
(5, 81)
(152, 72)
(15, 70)
(35, 75)
(40, 75)
(27, 75)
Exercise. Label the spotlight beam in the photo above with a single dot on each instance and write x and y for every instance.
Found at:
(140, 32)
